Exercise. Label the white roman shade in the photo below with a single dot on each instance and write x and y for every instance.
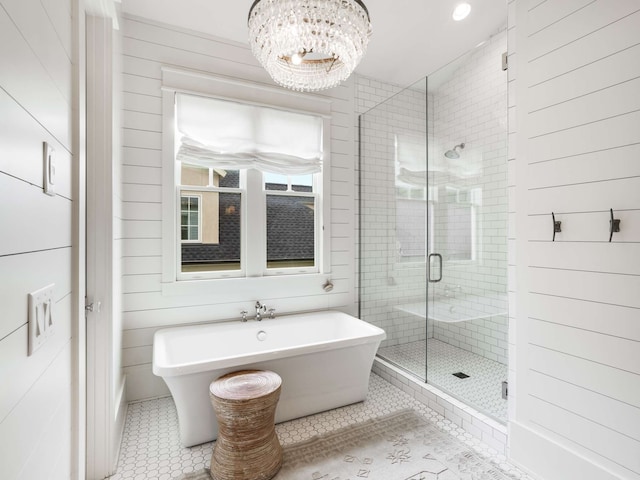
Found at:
(230, 135)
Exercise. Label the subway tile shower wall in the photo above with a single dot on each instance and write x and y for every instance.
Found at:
(469, 107)
(385, 282)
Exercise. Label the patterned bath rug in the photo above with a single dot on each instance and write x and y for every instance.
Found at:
(399, 446)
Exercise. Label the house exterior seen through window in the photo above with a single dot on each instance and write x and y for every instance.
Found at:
(290, 229)
(190, 218)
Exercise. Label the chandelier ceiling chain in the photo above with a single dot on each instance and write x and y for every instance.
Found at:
(309, 45)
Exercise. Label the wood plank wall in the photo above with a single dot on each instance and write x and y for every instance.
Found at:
(578, 322)
(146, 47)
(35, 238)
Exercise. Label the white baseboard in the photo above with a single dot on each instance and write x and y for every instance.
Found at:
(120, 417)
(546, 459)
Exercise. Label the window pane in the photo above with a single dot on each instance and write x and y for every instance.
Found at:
(290, 231)
(273, 181)
(302, 183)
(194, 176)
(224, 252)
(184, 233)
(227, 178)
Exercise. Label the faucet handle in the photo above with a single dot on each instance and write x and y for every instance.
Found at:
(244, 315)
(272, 313)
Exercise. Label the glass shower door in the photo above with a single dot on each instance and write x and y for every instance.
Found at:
(467, 259)
(433, 237)
(393, 206)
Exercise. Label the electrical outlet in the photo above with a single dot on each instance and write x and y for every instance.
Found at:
(41, 317)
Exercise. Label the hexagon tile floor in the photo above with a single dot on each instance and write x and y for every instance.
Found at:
(151, 444)
(482, 389)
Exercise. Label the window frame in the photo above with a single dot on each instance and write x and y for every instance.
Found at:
(270, 283)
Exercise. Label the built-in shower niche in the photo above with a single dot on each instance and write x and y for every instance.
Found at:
(433, 238)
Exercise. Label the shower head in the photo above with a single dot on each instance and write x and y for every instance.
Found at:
(453, 153)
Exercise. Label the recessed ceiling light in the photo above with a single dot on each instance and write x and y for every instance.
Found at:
(461, 12)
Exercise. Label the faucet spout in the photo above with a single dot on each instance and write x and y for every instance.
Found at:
(260, 308)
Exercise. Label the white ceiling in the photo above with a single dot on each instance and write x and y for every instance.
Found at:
(411, 38)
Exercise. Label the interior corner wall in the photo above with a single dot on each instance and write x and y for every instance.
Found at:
(36, 98)
(574, 149)
(147, 46)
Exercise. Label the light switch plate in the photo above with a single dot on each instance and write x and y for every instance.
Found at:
(49, 168)
(41, 317)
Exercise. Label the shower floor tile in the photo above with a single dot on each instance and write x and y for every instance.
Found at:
(482, 389)
(151, 444)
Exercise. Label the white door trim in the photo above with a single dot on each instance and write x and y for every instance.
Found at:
(105, 384)
(78, 330)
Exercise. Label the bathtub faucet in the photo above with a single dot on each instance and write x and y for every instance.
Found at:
(260, 309)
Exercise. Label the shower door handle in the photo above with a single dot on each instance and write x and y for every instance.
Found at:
(432, 257)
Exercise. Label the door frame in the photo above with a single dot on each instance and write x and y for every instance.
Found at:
(78, 326)
(105, 407)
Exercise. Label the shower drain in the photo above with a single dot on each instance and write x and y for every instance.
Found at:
(460, 375)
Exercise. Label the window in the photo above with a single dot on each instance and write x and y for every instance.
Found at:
(190, 218)
(247, 194)
(291, 221)
(218, 247)
(249, 179)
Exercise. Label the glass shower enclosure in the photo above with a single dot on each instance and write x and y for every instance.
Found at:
(433, 236)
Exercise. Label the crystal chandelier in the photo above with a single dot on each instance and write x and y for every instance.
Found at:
(309, 45)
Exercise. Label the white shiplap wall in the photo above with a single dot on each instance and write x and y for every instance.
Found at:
(146, 47)
(577, 345)
(36, 236)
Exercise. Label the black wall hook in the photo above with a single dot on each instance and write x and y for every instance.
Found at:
(614, 225)
(557, 226)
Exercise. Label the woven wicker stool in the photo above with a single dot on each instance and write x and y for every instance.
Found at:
(247, 447)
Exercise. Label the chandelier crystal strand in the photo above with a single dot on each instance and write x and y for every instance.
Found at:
(329, 37)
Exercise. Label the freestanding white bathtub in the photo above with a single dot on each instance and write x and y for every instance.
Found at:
(323, 358)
